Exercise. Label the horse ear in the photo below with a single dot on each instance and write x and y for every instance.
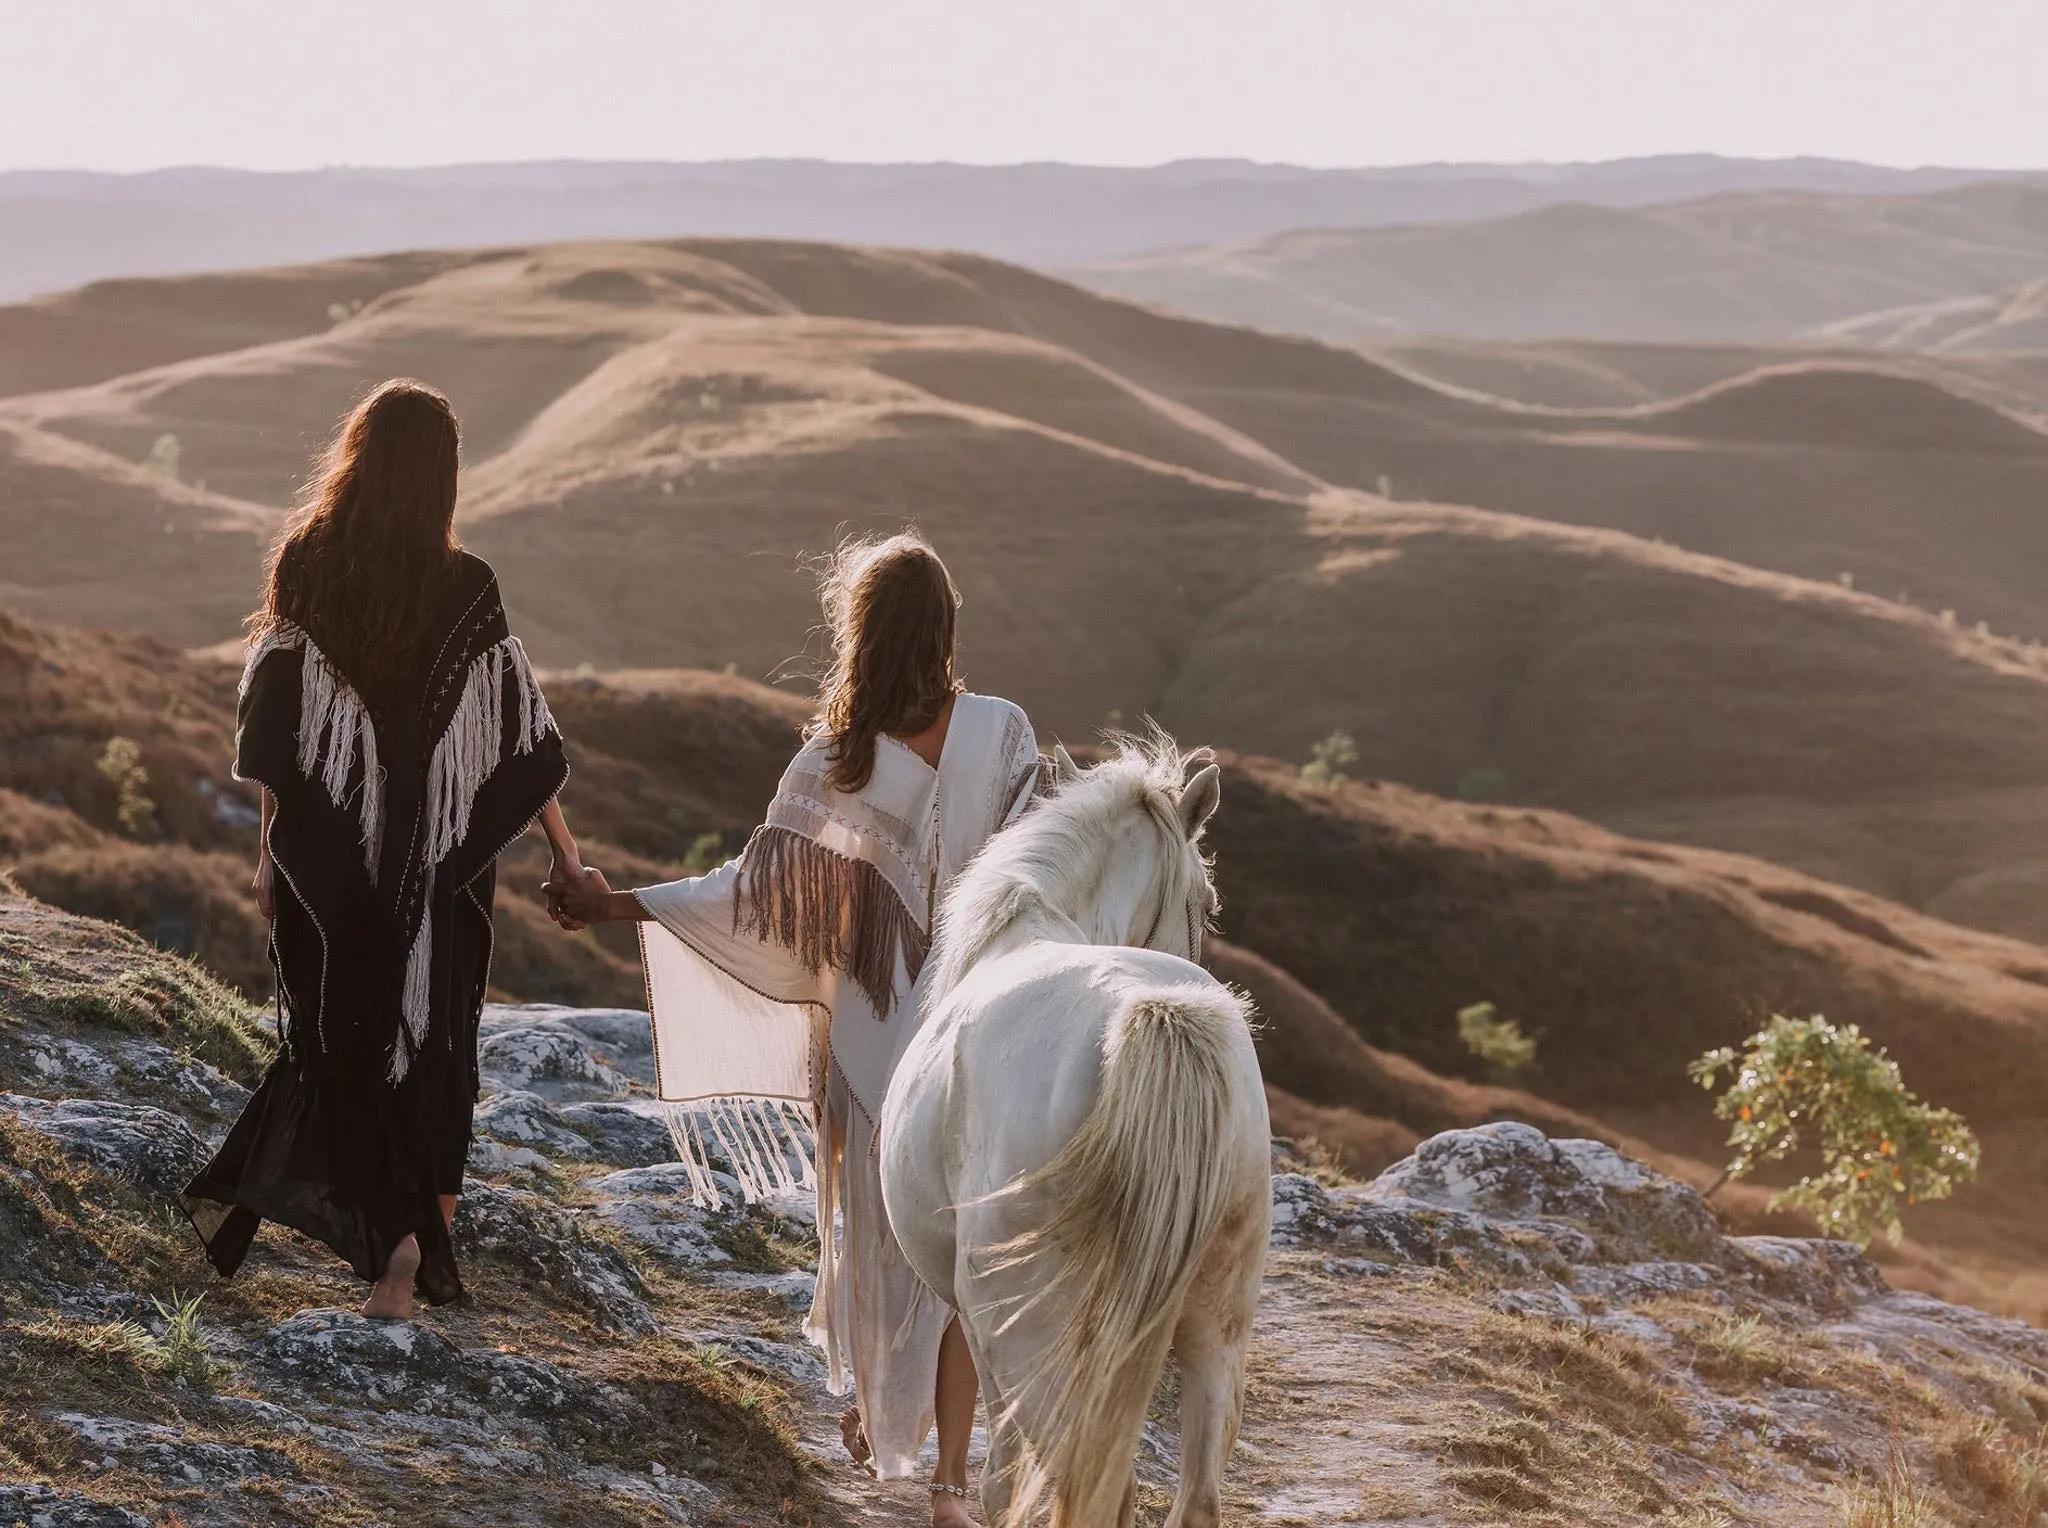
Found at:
(1200, 798)
(1064, 770)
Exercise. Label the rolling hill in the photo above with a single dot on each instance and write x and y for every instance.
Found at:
(60, 229)
(2003, 321)
(1738, 267)
(1361, 917)
(1148, 515)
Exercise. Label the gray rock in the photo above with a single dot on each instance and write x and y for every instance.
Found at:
(624, 1134)
(652, 1205)
(490, 1159)
(621, 1040)
(678, 1498)
(263, 1413)
(1826, 1275)
(47, 1507)
(1909, 1324)
(186, 1082)
(168, 1454)
(535, 1236)
(1513, 1172)
(550, 1059)
(1635, 1326)
(151, 1148)
(1575, 1215)
(62, 1064)
(1307, 1215)
(1639, 1281)
(1547, 1302)
(399, 1365)
(519, 1118)
(380, 1361)
(795, 1290)
(800, 1364)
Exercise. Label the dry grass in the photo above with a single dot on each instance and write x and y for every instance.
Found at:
(2000, 1476)
(1895, 1500)
(711, 1417)
(67, 975)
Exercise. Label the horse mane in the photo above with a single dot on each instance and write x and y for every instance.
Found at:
(1050, 861)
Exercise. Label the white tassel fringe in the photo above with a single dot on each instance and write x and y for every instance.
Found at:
(468, 750)
(768, 1146)
(335, 732)
(417, 1001)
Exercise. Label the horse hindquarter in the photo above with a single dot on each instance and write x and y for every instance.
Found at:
(1155, 1187)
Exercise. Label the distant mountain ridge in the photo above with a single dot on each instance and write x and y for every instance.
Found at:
(59, 229)
(1756, 265)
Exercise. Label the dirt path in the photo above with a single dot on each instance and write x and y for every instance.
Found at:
(1328, 1434)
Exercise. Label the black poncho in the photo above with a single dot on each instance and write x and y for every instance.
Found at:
(383, 844)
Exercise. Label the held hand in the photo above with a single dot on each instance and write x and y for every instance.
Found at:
(581, 901)
(265, 904)
(553, 888)
(565, 868)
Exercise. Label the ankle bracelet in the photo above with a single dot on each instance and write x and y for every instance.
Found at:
(960, 1491)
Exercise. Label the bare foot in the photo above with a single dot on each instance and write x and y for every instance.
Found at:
(950, 1511)
(856, 1439)
(391, 1298)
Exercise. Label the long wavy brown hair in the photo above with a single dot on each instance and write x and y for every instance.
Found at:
(362, 565)
(892, 610)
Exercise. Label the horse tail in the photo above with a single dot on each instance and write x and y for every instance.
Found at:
(1135, 1198)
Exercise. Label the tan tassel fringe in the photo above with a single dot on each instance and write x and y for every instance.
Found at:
(828, 910)
(758, 1139)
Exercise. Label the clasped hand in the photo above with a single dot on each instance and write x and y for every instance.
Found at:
(578, 896)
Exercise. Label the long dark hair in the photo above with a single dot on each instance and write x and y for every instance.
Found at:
(891, 608)
(363, 563)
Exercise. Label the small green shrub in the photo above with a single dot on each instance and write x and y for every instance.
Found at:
(181, 1352)
(121, 764)
(1806, 1082)
(163, 458)
(706, 852)
(1327, 761)
(1498, 1042)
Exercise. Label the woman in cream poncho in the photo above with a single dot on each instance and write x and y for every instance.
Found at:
(787, 977)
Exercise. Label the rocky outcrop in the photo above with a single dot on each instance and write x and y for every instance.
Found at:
(405, 1365)
(152, 1149)
(1557, 1219)
(627, 1351)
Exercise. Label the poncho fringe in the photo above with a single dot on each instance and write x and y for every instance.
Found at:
(336, 734)
(770, 1144)
(828, 910)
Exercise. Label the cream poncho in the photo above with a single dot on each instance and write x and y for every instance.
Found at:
(783, 992)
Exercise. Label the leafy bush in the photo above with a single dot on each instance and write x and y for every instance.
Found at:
(1326, 761)
(706, 852)
(1806, 1082)
(163, 457)
(1498, 1042)
(121, 765)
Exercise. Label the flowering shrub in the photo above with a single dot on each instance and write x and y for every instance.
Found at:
(1806, 1082)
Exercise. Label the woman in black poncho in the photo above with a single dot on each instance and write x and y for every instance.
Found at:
(402, 742)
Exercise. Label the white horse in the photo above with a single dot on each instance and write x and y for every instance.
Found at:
(1075, 1146)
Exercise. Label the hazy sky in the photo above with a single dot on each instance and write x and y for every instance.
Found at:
(128, 84)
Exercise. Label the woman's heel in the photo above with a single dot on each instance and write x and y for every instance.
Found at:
(391, 1298)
